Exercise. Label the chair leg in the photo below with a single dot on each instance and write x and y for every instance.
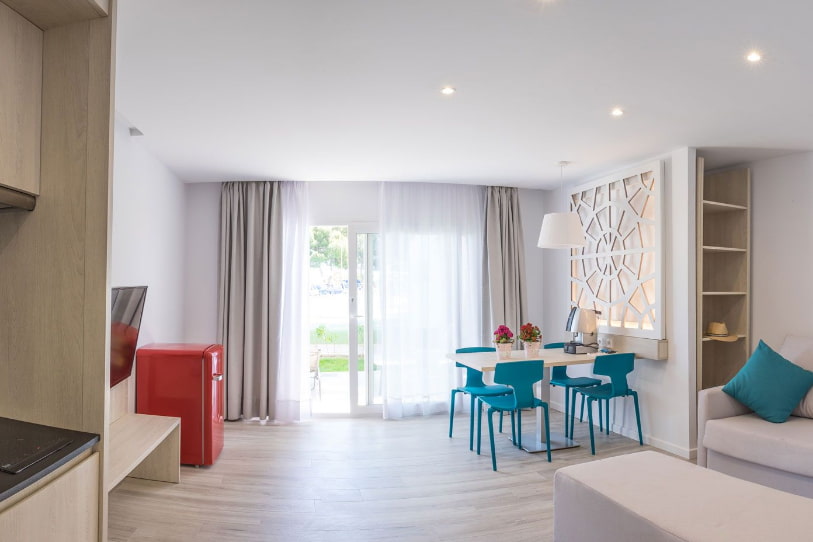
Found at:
(590, 424)
(471, 424)
(451, 414)
(638, 418)
(479, 423)
(607, 425)
(568, 432)
(547, 430)
(513, 428)
(573, 410)
(491, 438)
(501, 417)
(581, 416)
(600, 415)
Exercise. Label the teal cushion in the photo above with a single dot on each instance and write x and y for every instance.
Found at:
(769, 384)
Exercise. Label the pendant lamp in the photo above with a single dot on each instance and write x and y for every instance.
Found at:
(561, 230)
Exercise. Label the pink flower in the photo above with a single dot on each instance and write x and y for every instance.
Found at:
(503, 334)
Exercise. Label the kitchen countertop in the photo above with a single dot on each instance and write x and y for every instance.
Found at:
(11, 430)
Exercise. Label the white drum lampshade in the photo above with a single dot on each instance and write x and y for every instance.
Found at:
(584, 321)
(561, 230)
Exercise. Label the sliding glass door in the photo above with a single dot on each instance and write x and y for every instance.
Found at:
(344, 313)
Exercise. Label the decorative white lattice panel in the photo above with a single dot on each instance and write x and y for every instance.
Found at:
(618, 272)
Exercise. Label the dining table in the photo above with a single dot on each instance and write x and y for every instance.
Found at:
(487, 361)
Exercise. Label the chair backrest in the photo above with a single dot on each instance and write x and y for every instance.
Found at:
(521, 376)
(617, 367)
(560, 371)
(474, 378)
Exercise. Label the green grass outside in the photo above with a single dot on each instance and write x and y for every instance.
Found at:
(338, 364)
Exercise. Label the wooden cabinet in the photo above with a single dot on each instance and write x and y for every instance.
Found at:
(20, 99)
(723, 271)
(64, 507)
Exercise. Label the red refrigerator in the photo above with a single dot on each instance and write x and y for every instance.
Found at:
(185, 380)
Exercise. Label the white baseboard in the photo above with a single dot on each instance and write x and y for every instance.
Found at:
(632, 433)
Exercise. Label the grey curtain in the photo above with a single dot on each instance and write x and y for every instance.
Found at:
(506, 258)
(254, 287)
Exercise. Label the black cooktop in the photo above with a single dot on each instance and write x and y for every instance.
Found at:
(29, 451)
(18, 452)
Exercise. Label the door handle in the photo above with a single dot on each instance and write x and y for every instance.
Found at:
(217, 377)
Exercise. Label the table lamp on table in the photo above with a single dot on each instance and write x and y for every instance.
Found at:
(582, 323)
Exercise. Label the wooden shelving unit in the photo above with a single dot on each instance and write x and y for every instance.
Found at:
(723, 271)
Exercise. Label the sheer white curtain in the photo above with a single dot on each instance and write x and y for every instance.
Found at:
(290, 404)
(434, 290)
(263, 263)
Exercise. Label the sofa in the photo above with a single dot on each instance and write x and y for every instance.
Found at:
(735, 441)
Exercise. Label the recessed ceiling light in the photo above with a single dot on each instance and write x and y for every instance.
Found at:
(617, 112)
(753, 56)
(447, 91)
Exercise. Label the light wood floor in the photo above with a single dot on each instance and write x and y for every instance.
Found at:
(355, 480)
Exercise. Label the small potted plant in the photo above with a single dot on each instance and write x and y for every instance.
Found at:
(532, 337)
(504, 338)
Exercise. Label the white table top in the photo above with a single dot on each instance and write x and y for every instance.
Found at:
(487, 361)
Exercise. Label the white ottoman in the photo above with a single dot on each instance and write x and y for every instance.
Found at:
(649, 496)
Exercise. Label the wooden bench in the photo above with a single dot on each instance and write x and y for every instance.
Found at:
(144, 446)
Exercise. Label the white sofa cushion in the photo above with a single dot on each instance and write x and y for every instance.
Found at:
(785, 446)
(799, 350)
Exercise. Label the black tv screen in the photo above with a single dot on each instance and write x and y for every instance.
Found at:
(127, 305)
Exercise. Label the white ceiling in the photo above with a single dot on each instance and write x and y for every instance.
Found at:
(349, 89)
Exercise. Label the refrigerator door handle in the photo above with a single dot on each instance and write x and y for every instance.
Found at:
(217, 377)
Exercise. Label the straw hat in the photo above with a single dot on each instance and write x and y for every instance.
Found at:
(719, 332)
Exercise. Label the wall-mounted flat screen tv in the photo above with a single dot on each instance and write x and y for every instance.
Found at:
(127, 305)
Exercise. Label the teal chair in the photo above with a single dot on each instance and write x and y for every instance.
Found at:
(476, 388)
(617, 367)
(521, 376)
(559, 377)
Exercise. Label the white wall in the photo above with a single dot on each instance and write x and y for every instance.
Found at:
(781, 255)
(532, 209)
(666, 388)
(556, 285)
(148, 235)
(202, 259)
(338, 203)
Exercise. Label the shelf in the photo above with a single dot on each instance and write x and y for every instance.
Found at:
(712, 207)
(723, 271)
(709, 339)
(710, 249)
